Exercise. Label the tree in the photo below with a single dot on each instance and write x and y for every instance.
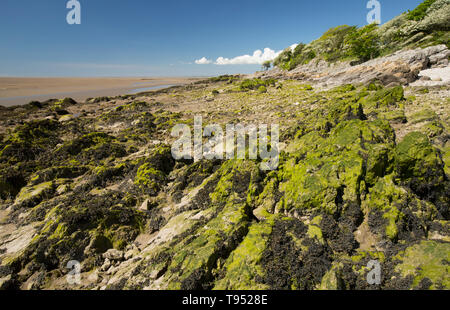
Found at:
(283, 58)
(365, 42)
(298, 49)
(266, 65)
(420, 12)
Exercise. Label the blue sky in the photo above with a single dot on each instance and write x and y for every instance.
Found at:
(163, 38)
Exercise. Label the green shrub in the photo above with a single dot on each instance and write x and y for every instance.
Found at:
(224, 78)
(338, 43)
(298, 49)
(262, 89)
(255, 84)
(289, 59)
(441, 37)
(301, 59)
(420, 11)
(365, 43)
(374, 86)
(283, 58)
(266, 65)
(333, 42)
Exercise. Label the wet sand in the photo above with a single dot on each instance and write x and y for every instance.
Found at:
(19, 91)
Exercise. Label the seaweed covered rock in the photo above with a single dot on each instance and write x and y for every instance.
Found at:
(325, 174)
(29, 140)
(419, 165)
(77, 229)
(152, 174)
(91, 147)
(189, 250)
(19, 150)
(292, 260)
(149, 179)
(396, 213)
(243, 268)
(33, 195)
(196, 258)
(427, 264)
(11, 182)
(384, 98)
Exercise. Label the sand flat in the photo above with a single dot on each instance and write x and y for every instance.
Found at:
(17, 91)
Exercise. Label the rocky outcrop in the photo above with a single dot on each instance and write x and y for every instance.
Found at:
(363, 175)
(400, 49)
(400, 68)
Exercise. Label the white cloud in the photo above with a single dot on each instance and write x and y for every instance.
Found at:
(203, 61)
(258, 58)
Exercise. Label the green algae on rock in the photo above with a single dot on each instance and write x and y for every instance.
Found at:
(427, 262)
(341, 166)
(419, 163)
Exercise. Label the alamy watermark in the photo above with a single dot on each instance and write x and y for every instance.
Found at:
(74, 15)
(374, 275)
(374, 15)
(230, 145)
(74, 275)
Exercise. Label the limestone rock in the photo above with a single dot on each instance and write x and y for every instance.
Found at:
(400, 68)
(113, 255)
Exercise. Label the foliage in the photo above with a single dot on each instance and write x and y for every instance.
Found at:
(298, 49)
(224, 78)
(289, 59)
(283, 58)
(256, 84)
(336, 44)
(346, 43)
(420, 11)
(365, 43)
(266, 65)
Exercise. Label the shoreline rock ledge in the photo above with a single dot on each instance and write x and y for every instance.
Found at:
(400, 68)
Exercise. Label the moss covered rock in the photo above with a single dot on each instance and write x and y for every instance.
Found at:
(418, 164)
(427, 263)
(384, 98)
(326, 174)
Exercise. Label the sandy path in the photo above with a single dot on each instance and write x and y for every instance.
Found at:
(438, 76)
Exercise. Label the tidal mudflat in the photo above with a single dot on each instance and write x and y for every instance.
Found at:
(20, 91)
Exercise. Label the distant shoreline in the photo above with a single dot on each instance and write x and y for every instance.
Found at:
(21, 90)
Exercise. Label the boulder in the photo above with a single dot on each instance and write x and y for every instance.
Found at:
(113, 255)
(6, 282)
